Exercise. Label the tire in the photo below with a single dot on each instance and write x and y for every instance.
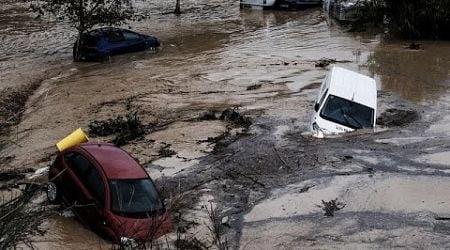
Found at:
(53, 193)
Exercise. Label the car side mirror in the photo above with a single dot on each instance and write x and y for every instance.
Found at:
(316, 107)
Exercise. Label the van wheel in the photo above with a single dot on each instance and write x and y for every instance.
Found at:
(53, 193)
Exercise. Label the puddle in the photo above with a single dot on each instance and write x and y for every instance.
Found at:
(396, 117)
(67, 233)
(399, 141)
(280, 132)
(440, 127)
(441, 158)
(380, 193)
(169, 166)
(382, 212)
(348, 168)
(341, 234)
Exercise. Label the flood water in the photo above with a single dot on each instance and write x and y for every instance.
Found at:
(210, 55)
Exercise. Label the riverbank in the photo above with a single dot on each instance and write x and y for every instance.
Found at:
(272, 174)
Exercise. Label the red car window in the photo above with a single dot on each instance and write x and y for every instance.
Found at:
(77, 163)
(135, 198)
(94, 184)
(88, 175)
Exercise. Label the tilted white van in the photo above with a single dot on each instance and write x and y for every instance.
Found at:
(347, 101)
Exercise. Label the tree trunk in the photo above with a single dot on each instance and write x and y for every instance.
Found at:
(77, 49)
(177, 8)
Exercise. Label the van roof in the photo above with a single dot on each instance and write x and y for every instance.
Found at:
(353, 86)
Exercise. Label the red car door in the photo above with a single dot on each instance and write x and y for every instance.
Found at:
(88, 191)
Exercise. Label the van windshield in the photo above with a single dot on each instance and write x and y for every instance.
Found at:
(135, 198)
(347, 113)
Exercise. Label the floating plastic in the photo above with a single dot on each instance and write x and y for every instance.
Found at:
(77, 137)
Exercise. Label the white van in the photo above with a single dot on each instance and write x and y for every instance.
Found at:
(347, 101)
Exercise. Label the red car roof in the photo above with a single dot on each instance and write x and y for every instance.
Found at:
(115, 162)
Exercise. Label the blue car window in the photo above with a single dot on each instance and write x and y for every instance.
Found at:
(114, 36)
(131, 36)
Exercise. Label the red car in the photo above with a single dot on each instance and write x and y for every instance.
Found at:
(109, 192)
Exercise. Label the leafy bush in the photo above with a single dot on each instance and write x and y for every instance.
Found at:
(413, 19)
(419, 18)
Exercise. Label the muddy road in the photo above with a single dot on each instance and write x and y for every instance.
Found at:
(267, 180)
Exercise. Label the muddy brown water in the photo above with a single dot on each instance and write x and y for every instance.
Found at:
(210, 56)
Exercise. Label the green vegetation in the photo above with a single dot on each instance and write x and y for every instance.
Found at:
(413, 19)
(85, 14)
(418, 18)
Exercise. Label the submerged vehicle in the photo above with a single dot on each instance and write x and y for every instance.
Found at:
(347, 101)
(98, 44)
(343, 10)
(288, 4)
(109, 192)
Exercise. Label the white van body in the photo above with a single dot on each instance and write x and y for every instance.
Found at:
(347, 101)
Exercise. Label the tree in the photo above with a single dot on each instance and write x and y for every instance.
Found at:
(85, 14)
(419, 19)
(413, 19)
(177, 8)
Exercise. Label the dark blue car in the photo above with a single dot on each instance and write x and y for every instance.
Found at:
(98, 44)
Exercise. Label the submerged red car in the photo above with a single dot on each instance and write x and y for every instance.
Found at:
(109, 192)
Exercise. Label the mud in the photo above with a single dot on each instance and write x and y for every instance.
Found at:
(12, 102)
(14, 174)
(258, 164)
(397, 117)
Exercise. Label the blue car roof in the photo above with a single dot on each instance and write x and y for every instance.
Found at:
(102, 31)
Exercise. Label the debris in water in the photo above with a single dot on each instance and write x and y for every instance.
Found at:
(67, 213)
(397, 117)
(233, 116)
(441, 218)
(165, 151)
(208, 116)
(12, 102)
(14, 174)
(323, 62)
(125, 128)
(41, 173)
(415, 46)
(20, 219)
(228, 115)
(347, 157)
(306, 189)
(254, 87)
(331, 206)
